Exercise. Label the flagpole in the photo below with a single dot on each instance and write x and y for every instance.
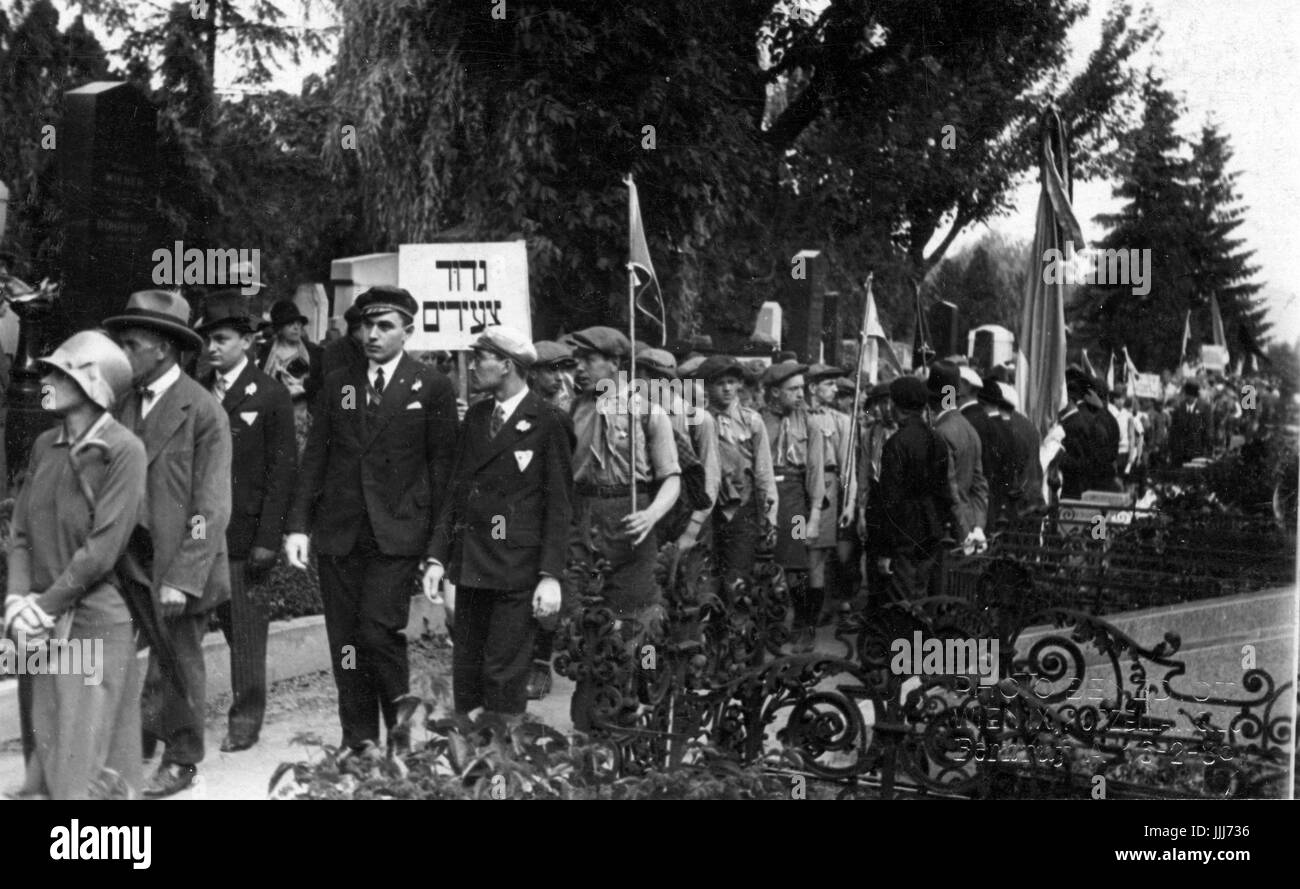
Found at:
(850, 487)
(633, 420)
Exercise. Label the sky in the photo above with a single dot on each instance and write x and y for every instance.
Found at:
(1237, 63)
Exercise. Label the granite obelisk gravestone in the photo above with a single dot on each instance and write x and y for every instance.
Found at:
(109, 185)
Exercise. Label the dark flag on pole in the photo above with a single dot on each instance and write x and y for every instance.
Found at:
(643, 268)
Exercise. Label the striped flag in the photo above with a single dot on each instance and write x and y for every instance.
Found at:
(642, 267)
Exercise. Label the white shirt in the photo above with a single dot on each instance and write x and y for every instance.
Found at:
(158, 387)
(511, 403)
(1122, 417)
(233, 374)
(390, 369)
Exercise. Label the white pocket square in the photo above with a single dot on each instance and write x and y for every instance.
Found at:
(413, 406)
(523, 458)
(248, 417)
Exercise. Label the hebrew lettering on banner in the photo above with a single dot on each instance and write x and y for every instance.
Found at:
(454, 267)
(482, 311)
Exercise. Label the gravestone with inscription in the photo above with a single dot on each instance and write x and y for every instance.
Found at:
(108, 172)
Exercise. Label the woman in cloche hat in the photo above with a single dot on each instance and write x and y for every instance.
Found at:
(72, 518)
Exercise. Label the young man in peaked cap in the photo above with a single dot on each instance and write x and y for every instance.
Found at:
(372, 479)
(503, 529)
(262, 476)
(183, 562)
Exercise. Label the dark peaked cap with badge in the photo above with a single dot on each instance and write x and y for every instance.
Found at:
(161, 311)
(717, 366)
(385, 298)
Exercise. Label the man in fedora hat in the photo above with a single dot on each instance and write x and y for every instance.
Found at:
(503, 529)
(799, 465)
(263, 469)
(370, 484)
(187, 440)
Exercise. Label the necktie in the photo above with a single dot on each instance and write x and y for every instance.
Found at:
(379, 385)
(220, 388)
(145, 393)
(498, 420)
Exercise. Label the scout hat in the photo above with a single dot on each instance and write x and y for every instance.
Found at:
(507, 342)
(384, 298)
(225, 308)
(96, 363)
(161, 311)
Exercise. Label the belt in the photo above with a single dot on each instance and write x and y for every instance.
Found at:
(834, 469)
(608, 492)
(793, 472)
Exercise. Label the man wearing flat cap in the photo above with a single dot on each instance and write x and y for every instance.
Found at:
(551, 375)
(799, 466)
(824, 562)
(263, 469)
(372, 479)
(182, 557)
(606, 525)
(915, 496)
(503, 529)
(747, 499)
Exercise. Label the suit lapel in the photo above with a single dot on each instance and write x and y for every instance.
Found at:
(237, 394)
(396, 396)
(165, 418)
(510, 433)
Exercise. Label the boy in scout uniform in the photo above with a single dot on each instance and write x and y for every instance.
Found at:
(822, 568)
(799, 463)
(747, 485)
(606, 524)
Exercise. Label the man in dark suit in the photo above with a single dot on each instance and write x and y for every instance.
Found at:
(371, 480)
(1189, 426)
(263, 468)
(916, 496)
(997, 446)
(187, 439)
(348, 350)
(503, 529)
(970, 489)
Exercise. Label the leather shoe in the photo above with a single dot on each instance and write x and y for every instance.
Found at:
(539, 681)
(171, 778)
(366, 750)
(234, 745)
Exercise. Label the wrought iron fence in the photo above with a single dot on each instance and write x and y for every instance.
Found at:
(719, 682)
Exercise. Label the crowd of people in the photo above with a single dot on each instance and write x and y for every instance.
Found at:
(163, 497)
